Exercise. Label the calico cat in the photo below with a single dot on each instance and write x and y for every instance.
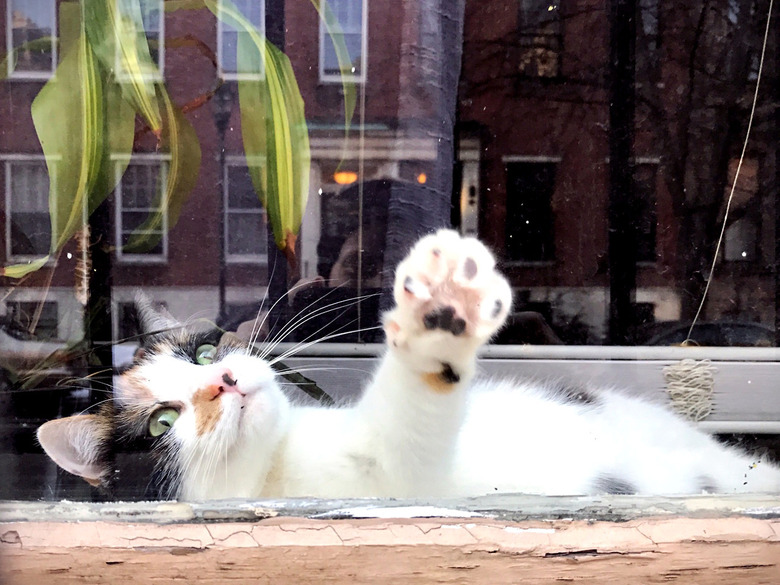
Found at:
(212, 414)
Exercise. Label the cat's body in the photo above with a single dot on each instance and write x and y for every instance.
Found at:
(222, 427)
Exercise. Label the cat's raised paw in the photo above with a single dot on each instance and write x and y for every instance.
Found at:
(449, 298)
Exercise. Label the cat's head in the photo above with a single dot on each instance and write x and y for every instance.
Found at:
(200, 406)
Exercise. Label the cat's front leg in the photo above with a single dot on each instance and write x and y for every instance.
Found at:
(449, 301)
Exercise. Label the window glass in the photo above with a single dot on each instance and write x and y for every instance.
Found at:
(246, 234)
(31, 36)
(228, 37)
(349, 15)
(28, 230)
(262, 166)
(140, 196)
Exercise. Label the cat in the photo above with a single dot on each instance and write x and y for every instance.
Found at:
(213, 416)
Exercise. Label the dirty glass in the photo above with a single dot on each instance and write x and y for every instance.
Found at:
(268, 157)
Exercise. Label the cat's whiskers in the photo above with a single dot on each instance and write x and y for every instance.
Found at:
(319, 369)
(293, 322)
(341, 305)
(305, 345)
(256, 329)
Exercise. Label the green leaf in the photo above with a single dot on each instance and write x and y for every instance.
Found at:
(276, 139)
(115, 31)
(77, 134)
(20, 270)
(72, 143)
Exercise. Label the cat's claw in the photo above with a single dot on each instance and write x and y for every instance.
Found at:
(449, 299)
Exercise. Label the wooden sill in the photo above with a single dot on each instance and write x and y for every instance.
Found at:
(495, 540)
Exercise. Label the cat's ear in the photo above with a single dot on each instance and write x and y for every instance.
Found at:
(75, 444)
(153, 318)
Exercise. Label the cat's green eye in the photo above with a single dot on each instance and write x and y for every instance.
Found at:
(162, 420)
(204, 355)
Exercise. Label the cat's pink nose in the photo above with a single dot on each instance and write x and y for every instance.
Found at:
(219, 380)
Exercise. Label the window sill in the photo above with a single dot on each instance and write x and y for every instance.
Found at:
(476, 540)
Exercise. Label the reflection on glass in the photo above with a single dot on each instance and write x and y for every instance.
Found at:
(28, 231)
(350, 15)
(30, 32)
(227, 36)
(494, 122)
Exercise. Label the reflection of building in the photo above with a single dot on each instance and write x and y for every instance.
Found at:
(178, 259)
(532, 157)
(534, 140)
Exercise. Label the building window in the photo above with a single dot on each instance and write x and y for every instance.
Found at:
(646, 213)
(529, 218)
(148, 23)
(228, 36)
(31, 29)
(246, 230)
(540, 38)
(28, 227)
(38, 318)
(742, 234)
(128, 326)
(740, 240)
(141, 213)
(351, 16)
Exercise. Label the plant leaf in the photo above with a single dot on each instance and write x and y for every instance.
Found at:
(118, 39)
(276, 139)
(77, 135)
(20, 270)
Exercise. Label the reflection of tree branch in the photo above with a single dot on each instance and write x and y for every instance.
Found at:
(189, 40)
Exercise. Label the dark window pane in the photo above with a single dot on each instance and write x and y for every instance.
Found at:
(529, 218)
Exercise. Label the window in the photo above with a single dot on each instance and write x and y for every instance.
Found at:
(352, 19)
(227, 41)
(139, 197)
(530, 185)
(746, 214)
(540, 38)
(488, 116)
(27, 222)
(31, 31)
(127, 321)
(39, 318)
(149, 25)
(246, 232)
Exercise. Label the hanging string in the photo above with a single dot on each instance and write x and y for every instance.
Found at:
(736, 177)
(690, 383)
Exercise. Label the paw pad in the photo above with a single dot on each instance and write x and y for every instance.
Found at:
(444, 318)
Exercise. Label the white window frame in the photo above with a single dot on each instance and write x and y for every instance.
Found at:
(258, 259)
(10, 161)
(231, 75)
(13, 72)
(339, 78)
(124, 76)
(148, 160)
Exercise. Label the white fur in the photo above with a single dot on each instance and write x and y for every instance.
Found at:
(406, 438)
